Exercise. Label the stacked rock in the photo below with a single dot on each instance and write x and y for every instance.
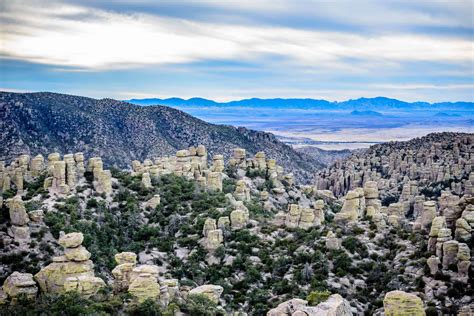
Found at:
(214, 181)
(242, 192)
(372, 202)
(19, 220)
(438, 223)
(217, 163)
(80, 168)
(126, 262)
(213, 236)
(449, 207)
(350, 208)
(319, 212)
(146, 180)
(144, 283)
(293, 216)
(71, 272)
(465, 224)
(428, 213)
(240, 216)
(238, 158)
(260, 161)
(71, 172)
(52, 158)
(36, 166)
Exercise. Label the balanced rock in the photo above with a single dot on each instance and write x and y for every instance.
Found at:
(71, 272)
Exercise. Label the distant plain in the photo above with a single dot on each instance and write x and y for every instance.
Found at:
(345, 127)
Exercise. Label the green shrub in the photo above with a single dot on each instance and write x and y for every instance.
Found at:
(316, 297)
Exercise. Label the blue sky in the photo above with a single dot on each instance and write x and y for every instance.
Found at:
(225, 50)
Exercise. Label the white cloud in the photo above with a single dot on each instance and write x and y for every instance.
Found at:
(59, 34)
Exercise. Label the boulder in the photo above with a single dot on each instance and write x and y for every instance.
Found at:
(214, 239)
(77, 254)
(332, 242)
(437, 223)
(238, 219)
(307, 218)
(71, 240)
(399, 303)
(153, 202)
(335, 305)
(18, 284)
(213, 292)
(85, 285)
(126, 257)
(144, 286)
(51, 278)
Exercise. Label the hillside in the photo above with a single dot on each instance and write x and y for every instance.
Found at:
(383, 232)
(40, 123)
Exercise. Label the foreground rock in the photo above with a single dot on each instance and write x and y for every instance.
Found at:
(399, 303)
(335, 305)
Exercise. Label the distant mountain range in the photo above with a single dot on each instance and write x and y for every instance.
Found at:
(378, 103)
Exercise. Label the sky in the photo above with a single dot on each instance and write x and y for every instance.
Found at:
(227, 50)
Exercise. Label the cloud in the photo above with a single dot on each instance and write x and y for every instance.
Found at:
(69, 35)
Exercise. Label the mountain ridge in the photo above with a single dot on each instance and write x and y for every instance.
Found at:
(39, 123)
(376, 102)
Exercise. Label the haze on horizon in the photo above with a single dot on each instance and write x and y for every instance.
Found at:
(240, 49)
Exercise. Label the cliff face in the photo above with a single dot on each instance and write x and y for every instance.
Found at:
(40, 123)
